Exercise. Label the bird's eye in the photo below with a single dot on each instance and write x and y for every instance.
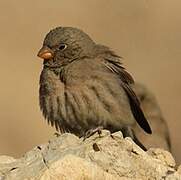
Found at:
(62, 46)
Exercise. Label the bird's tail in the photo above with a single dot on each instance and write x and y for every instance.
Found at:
(128, 132)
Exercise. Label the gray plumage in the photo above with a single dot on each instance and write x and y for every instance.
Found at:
(84, 85)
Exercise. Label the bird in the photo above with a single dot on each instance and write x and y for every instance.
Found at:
(84, 86)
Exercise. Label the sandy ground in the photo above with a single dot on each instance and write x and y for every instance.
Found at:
(146, 33)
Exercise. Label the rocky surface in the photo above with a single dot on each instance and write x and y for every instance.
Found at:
(107, 157)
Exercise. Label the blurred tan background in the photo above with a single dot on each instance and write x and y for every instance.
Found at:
(146, 33)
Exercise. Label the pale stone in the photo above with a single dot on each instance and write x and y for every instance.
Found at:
(6, 159)
(107, 157)
(179, 169)
(75, 168)
(163, 155)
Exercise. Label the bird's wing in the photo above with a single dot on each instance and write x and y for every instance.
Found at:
(114, 65)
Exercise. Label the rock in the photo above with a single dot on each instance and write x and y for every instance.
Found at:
(73, 167)
(162, 155)
(6, 159)
(179, 169)
(107, 157)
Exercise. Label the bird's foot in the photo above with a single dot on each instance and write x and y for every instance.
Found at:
(91, 132)
(56, 134)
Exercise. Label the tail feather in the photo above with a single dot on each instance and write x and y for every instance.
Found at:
(136, 109)
(128, 132)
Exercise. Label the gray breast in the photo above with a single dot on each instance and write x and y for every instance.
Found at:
(52, 99)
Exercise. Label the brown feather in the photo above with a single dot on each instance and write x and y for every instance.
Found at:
(116, 67)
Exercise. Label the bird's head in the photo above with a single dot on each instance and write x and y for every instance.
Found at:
(65, 44)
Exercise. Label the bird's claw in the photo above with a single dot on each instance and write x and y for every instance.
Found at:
(91, 132)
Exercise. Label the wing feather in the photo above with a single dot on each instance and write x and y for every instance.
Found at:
(112, 62)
